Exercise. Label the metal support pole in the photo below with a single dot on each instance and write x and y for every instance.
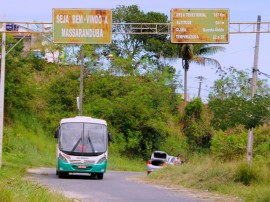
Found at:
(256, 58)
(200, 85)
(185, 87)
(254, 86)
(81, 83)
(15, 45)
(2, 90)
(249, 146)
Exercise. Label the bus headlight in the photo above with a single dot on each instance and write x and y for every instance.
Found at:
(63, 158)
(101, 160)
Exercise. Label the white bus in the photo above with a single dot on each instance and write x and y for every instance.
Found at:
(82, 146)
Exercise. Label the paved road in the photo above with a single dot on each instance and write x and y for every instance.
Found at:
(116, 186)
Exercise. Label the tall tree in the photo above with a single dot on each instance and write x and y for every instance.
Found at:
(196, 53)
(233, 111)
(233, 82)
(231, 104)
(138, 54)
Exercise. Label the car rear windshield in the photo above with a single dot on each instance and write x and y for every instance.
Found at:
(160, 155)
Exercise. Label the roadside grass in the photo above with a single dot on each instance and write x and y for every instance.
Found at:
(14, 188)
(24, 146)
(228, 178)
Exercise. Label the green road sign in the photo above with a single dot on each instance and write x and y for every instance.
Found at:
(200, 26)
(82, 26)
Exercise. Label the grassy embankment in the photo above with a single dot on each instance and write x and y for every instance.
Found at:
(228, 178)
(24, 146)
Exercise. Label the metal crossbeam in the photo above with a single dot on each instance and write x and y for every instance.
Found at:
(249, 27)
(141, 28)
(135, 28)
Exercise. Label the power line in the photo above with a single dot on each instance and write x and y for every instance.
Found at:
(267, 75)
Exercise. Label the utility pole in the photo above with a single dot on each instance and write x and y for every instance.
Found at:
(81, 83)
(254, 86)
(2, 90)
(185, 87)
(200, 85)
(256, 57)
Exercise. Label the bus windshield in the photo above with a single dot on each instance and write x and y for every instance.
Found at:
(83, 138)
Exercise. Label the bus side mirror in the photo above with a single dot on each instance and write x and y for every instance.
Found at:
(56, 133)
(109, 137)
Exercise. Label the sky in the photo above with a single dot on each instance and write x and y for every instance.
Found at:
(239, 51)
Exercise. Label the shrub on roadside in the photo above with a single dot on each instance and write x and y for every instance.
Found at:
(197, 125)
(229, 146)
(174, 145)
(262, 141)
(246, 174)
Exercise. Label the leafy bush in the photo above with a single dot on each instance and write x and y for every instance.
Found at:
(175, 144)
(194, 109)
(19, 87)
(228, 146)
(60, 97)
(196, 125)
(232, 144)
(261, 145)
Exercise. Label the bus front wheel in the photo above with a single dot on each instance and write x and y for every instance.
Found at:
(100, 176)
(62, 174)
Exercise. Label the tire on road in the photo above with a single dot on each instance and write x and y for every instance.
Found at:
(62, 174)
(99, 176)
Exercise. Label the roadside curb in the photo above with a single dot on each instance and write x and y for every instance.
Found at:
(40, 171)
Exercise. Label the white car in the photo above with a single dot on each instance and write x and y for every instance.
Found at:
(159, 159)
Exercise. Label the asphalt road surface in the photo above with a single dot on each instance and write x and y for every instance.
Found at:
(115, 186)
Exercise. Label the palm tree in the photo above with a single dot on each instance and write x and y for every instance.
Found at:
(196, 53)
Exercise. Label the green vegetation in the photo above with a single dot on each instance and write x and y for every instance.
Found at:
(135, 92)
(196, 127)
(14, 188)
(119, 162)
(230, 101)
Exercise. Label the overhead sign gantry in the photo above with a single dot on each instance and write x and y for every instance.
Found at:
(72, 26)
